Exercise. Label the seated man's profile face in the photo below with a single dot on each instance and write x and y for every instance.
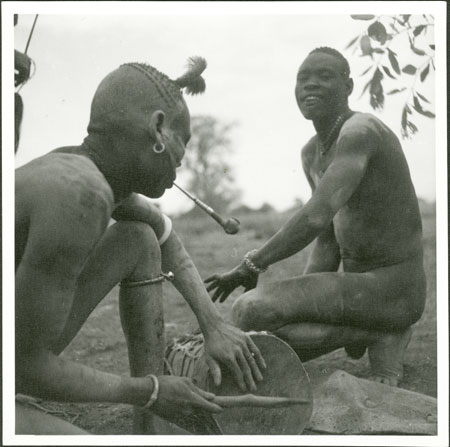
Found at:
(322, 85)
(160, 169)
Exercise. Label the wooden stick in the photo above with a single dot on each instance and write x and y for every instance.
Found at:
(252, 400)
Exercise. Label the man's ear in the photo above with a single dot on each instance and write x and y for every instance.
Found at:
(349, 85)
(156, 124)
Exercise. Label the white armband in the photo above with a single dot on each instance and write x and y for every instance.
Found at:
(167, 230)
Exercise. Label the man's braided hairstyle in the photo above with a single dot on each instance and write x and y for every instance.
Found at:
(125, 97)
(170, 90)
(336, 54)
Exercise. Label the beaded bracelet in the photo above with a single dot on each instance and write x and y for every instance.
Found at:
(250, 265)
(155, 392)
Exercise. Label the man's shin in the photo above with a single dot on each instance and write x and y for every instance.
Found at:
(141, 313)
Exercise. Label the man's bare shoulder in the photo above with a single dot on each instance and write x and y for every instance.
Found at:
(65, 176)
(308, 151)
(66, 199)
(361, 124)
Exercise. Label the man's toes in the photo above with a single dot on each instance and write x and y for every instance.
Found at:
(391, 381)
(355, 351)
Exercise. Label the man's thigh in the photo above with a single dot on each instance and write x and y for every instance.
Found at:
(126, 249)
(387, 298)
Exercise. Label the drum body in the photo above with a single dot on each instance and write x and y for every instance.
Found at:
(284, 377)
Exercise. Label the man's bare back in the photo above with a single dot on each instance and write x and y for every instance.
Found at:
(63, 205)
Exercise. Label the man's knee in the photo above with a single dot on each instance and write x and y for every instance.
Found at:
(250, 312)
(139, 237)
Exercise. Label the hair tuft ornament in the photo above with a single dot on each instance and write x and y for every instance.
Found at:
(192, 79)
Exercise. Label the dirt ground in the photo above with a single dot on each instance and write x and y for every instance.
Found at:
(101, 344)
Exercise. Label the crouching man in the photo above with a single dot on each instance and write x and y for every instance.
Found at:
(68, 258)
(364, 214)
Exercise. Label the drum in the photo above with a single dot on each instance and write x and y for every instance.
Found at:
(284, 377)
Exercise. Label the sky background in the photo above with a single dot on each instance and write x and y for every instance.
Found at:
(252, 64)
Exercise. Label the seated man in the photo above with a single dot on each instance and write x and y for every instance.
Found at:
(68, 258)
(364, 213)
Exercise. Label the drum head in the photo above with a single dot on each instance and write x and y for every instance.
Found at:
(284, 377)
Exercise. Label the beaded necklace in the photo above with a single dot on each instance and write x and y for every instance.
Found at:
(332, 134)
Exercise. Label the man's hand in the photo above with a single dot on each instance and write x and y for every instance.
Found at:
(235, 349)
(180, 398)
(227, 282)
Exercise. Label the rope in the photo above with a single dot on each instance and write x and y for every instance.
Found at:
(31, 33)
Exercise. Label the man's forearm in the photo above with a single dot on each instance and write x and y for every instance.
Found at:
(295, 235)
(45, 375)
(325, 255)
(321, 260)
(188, 282)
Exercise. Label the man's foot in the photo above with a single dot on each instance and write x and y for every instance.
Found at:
(355, 351)
(386, 357)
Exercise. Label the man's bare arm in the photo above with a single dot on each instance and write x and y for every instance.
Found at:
(325, 255)
(334, 190)
(223, 342)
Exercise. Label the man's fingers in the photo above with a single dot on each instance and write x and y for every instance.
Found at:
(257, 354)
(224, 295)
(200, 402)
(211, 278)
(205, 394)
(215, 370)
(216, 295)
(250, 357)
(248, 376)
(237, 373)
(212, 286)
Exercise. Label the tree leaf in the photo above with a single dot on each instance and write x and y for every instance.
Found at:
(416, 50)
(428, 114)
(362, 16)
(387, 71)
(393, 60)
(366, 87)
(422, 97)
(366, 70)
(417, 106)
(404, 119)
(396, 90)
(366, 47)
(418, 29)
(409, 69)
(377, 31)
(378, 50)
(424, 73)
(406, 17)
(376, 90)
(352, 42)
(432, 47)
(412, 127)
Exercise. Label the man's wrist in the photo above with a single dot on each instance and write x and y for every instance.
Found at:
(210, 323)
(251, 265)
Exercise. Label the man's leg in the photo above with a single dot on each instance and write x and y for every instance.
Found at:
(322, 312)
(128, 251)
(30, 421)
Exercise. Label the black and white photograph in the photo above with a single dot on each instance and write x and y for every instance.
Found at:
(228, 222)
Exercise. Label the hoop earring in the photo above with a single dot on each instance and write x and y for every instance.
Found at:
(159, 148)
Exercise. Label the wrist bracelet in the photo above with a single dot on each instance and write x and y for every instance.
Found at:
(250, 265)
(155, 392)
